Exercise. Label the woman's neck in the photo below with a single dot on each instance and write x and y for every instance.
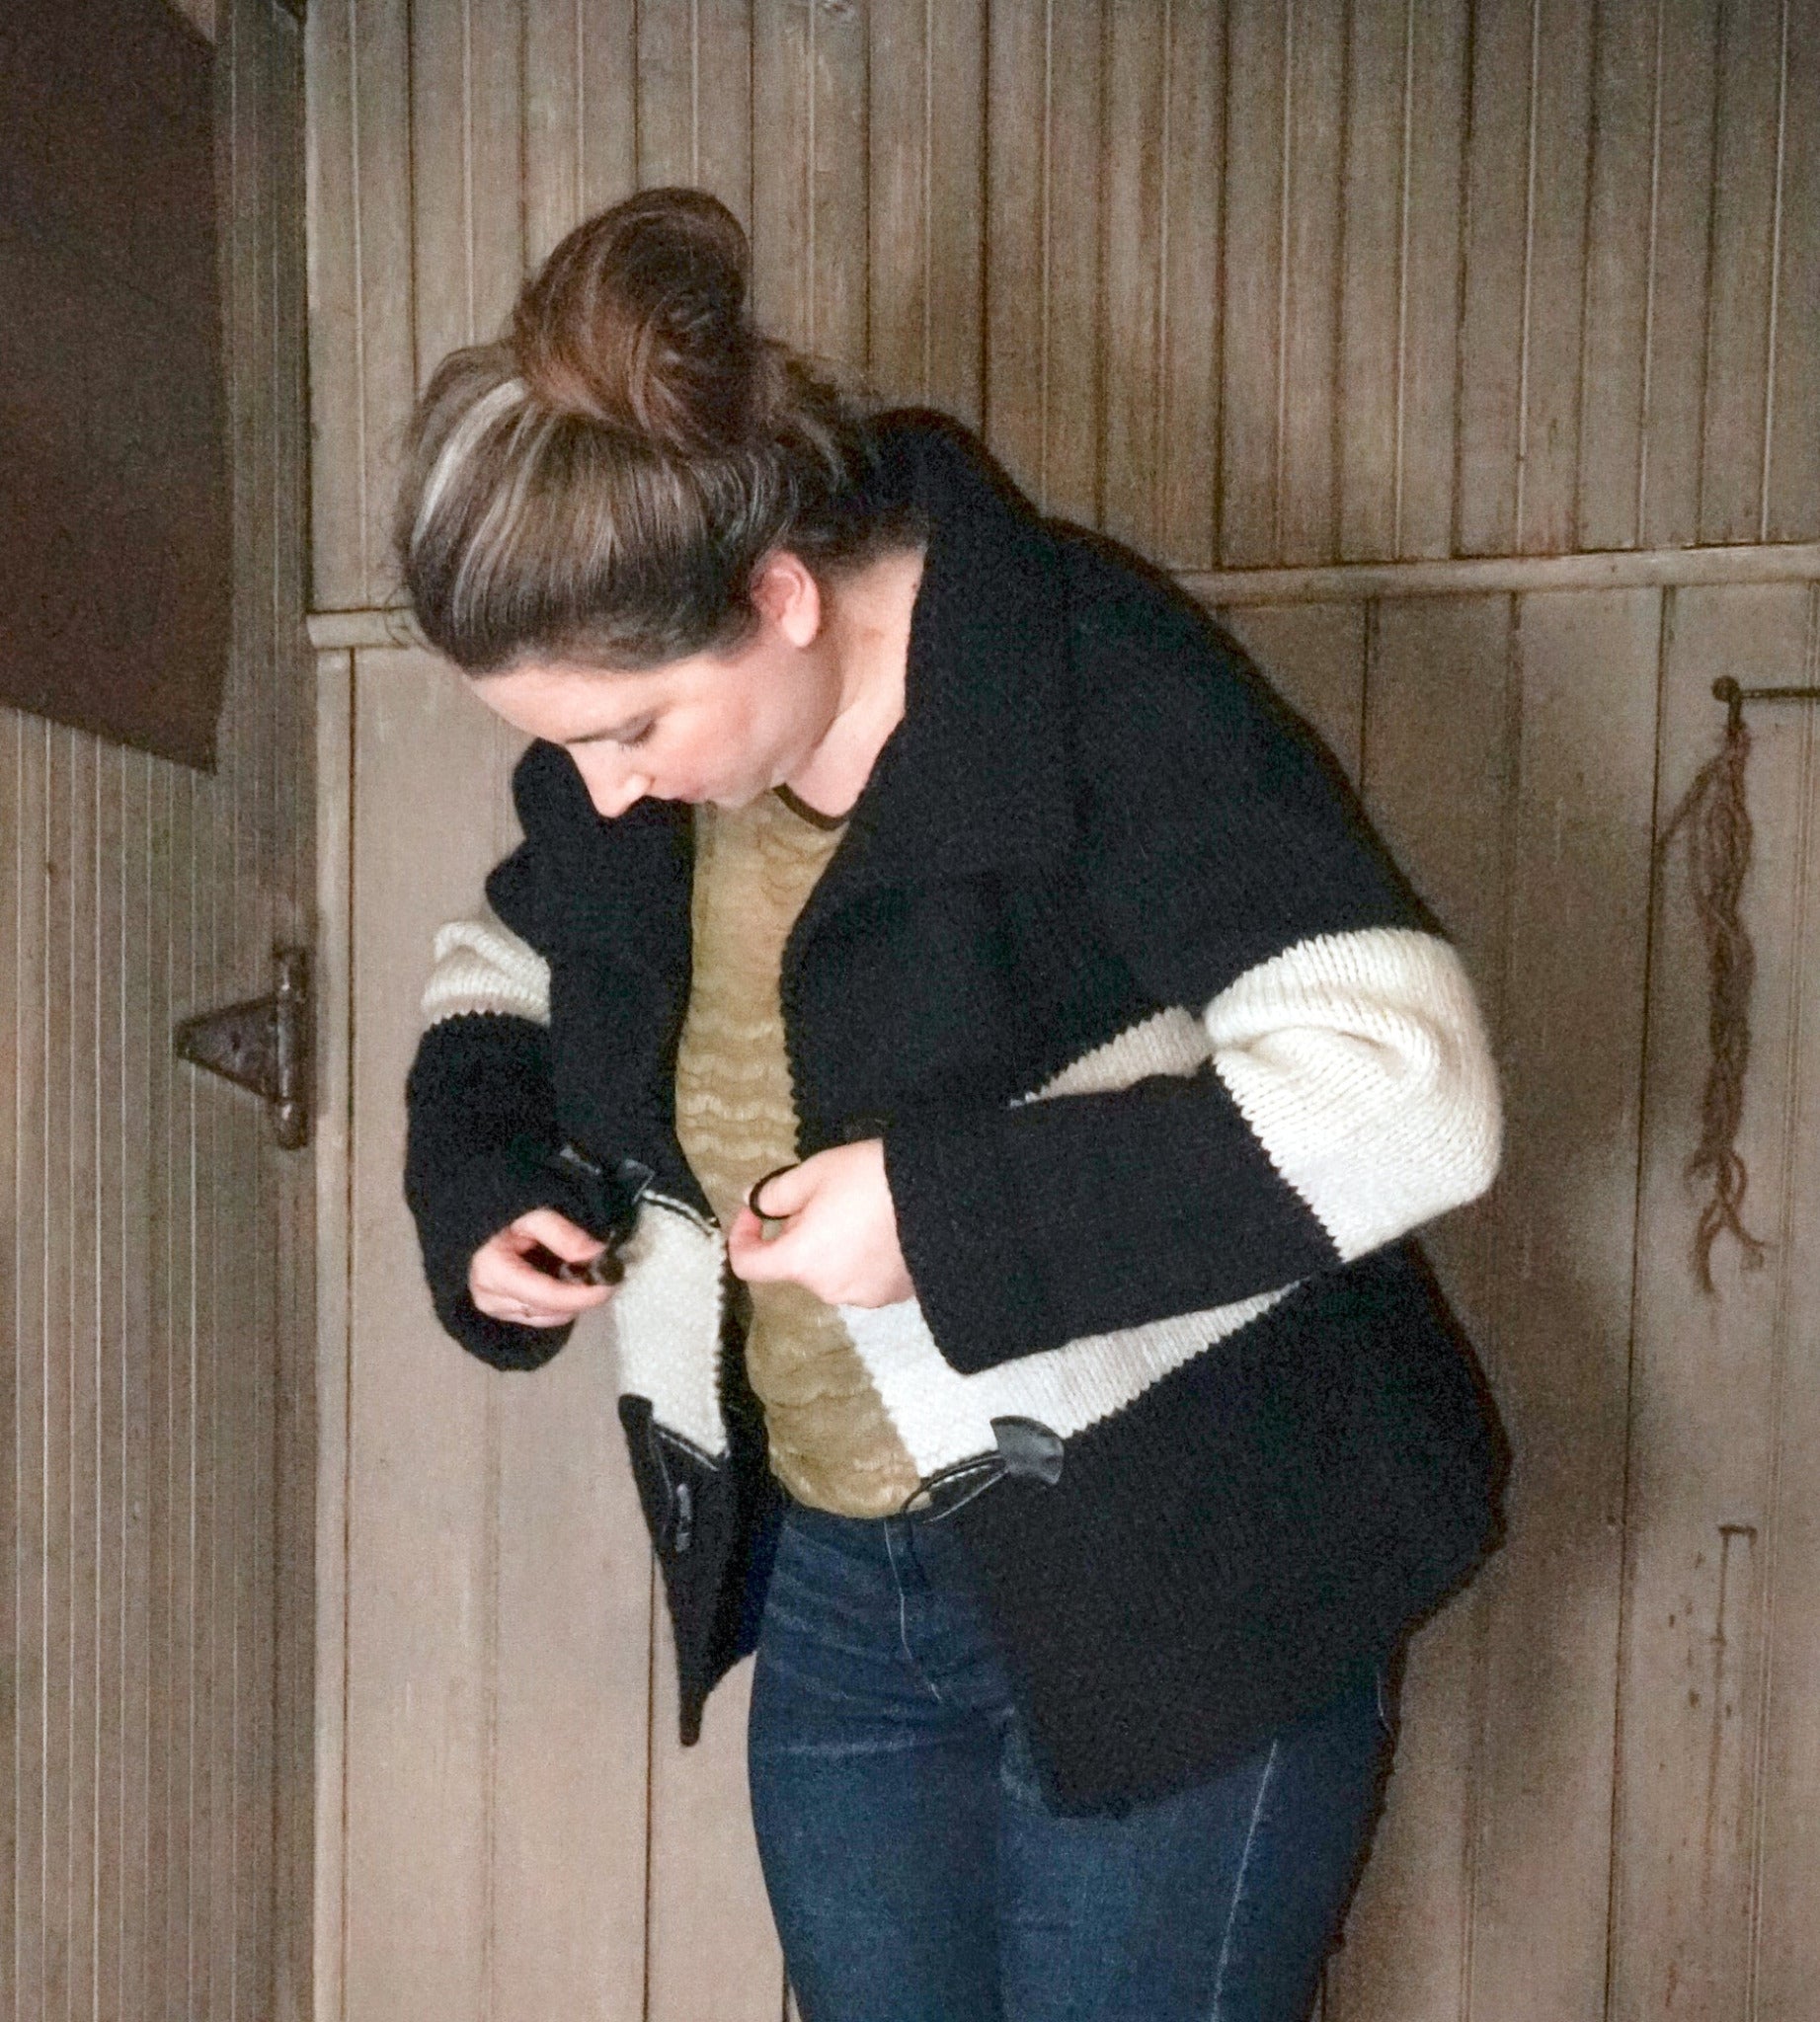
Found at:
(866, 627)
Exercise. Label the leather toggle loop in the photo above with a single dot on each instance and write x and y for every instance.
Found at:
(1029, 1450)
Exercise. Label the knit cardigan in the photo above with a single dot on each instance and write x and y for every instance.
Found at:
(1167, 1060)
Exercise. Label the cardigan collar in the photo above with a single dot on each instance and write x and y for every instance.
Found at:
(976, 775)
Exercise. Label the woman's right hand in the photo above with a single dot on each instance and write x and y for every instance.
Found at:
(506, 1286)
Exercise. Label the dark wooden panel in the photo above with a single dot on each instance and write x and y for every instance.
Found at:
(113, 612)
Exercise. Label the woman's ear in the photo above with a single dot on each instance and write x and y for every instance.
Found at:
(786, 594)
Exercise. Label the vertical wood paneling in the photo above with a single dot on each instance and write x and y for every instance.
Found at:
(1016, 217)
(1073, 302)
(1188, 421)
(725, 1962)
(571, 1751)
(13, 1356)
(1314, 100)
(1379, 128)
(580, 115)
(926, 128)
(362, 348)
(1313, 656)
(1681, 252)
(1711, 1376)
(1432, 279)
(1521, 317)
(1619, 265)
(809, 205)
(1134, 173)
(31, 1791)
(1793, 479)
(421, 1486)
(1573, 1018)
(1252, 281)
(1788, 1854)
(140, 1236)
(694, 85)
(1747, 201)
(466, 208)
(1438, 778)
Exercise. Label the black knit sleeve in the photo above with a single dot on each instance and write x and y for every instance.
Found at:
(480, 1137)
(1218, 843)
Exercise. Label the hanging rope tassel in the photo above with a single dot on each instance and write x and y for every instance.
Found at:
(1717, 819)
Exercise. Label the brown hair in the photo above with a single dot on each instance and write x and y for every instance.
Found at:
(602, 486)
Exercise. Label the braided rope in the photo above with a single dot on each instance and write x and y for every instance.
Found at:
(1716, 817)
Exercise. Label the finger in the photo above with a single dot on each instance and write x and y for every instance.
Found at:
(520, 1316)
(783, 1192)
(752, 1256)
(500, 1275)
(557, 1233)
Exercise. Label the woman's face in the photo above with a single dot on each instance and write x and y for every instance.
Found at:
(721, 728)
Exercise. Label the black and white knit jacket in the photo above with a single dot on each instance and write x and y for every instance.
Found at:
(1168, 1062)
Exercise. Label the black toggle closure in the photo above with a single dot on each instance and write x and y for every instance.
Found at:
(1029, 1450)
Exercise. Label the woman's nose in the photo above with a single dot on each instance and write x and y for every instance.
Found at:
(611, 788)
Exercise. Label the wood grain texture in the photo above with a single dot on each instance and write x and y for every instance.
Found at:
(580, 115)
(1307, 419)
(141, 1239)
(571, 1791)
(1439, 780)
(925, 131)
(712, 1948)
(466, 155)
(1793, 480)
(1712, 1376)
(1188, 418)
(1749, 163)
(1313, 656)
(421, 1482)
(1683, 138)
(1557, 1348)
(1134, 174)
(1252, 282)
(1788, 1771)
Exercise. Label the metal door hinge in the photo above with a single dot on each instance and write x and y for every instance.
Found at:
(264, 1046)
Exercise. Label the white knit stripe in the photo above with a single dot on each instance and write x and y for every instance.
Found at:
(667, 1320)
(1362, 1067)
(481, 966)
(1171, 1042)
(1360, 1063)
(943, 1417)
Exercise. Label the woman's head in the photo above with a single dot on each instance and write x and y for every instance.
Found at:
(602, 487)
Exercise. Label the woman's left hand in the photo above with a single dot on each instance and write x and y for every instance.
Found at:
(839, 1235)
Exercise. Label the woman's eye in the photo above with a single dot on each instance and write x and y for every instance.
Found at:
(637, 736)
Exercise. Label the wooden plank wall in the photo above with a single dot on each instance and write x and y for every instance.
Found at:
(1304, 301)
(155, 1267)
(1254, 285)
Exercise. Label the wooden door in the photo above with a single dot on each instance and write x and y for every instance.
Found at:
(156, 1252)
(1467, 358)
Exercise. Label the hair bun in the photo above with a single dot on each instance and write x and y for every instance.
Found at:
(639, 318)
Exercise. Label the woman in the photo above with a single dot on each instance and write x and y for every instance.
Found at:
(1030, 1068)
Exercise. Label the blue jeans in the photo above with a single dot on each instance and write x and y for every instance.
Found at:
(916, 1873)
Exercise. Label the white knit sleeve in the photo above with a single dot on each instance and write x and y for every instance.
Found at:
(1361, 1063)
(481, 965)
